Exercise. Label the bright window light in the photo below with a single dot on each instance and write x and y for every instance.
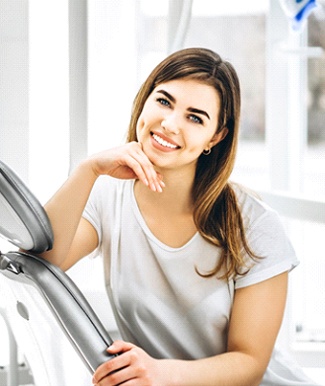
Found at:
(209, 7)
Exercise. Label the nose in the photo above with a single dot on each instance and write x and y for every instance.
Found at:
(171, 123)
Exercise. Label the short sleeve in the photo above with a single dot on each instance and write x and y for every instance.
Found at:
(268, 240)
(103, 211)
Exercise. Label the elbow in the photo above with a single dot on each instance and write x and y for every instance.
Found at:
(253, 370)
(258, 371)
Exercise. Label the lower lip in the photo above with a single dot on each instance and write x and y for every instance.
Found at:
(161, 147)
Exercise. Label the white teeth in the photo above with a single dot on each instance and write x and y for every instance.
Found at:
(163, 142)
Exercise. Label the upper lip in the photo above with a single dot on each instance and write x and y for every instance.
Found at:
(167, 139)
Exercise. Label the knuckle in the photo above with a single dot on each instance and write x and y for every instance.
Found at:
(134, 356)
(142, 371)
(136, 145)
(108, 366)
(114, 378)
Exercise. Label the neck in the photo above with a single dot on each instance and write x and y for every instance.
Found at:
(176, 195)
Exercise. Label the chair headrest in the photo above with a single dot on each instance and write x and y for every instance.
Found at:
(23, 221)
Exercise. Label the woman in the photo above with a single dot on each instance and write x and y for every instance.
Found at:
(196, 268)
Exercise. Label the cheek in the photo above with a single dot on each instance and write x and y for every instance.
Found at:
(139, 127)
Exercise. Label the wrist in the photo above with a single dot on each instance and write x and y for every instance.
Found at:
(88, 168)
(171, 372)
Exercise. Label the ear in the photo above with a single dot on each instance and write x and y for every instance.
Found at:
(218, 137)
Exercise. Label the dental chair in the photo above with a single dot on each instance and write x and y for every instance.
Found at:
(54, 325)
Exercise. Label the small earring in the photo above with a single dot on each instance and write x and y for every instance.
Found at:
(206, 152)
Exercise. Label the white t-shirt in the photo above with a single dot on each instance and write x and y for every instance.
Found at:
(160, 302)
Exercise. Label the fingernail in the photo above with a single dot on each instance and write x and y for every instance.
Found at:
(110, 346)
(153, 187)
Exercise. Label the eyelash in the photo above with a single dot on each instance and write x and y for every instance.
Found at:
(163, 101)
(192, 117)
(196, 119)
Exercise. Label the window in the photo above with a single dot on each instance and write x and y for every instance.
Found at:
(314, 170)
(310, 317)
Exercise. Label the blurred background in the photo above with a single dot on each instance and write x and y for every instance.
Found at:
(69, 71)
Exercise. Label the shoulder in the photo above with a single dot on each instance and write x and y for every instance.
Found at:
(252, 208)
(267, 237)
(104, 205)
(104, 182)
(107, 187)
(106, 196)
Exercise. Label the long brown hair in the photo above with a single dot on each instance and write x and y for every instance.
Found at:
(216, 212)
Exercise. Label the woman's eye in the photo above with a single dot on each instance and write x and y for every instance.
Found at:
(163, 101)
(196, 119)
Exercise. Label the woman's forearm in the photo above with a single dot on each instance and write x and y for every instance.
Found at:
(65, 209)
(229, 369)
(234, 368)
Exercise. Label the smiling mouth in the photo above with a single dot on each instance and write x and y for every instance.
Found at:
(163, 142)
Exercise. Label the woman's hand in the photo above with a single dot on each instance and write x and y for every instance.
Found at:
(127, 162)
(132, 367)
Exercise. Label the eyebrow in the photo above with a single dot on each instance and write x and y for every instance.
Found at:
(191, 109)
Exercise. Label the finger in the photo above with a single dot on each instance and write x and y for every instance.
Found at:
(111, 367)
(119, 346)
(107, 368)
(148, 167)
(116, 364)
(161, 182)
(140, 171)
(155, 178)
(122, 376)
(145, 171)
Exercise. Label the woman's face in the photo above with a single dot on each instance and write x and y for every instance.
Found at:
(178, 121)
